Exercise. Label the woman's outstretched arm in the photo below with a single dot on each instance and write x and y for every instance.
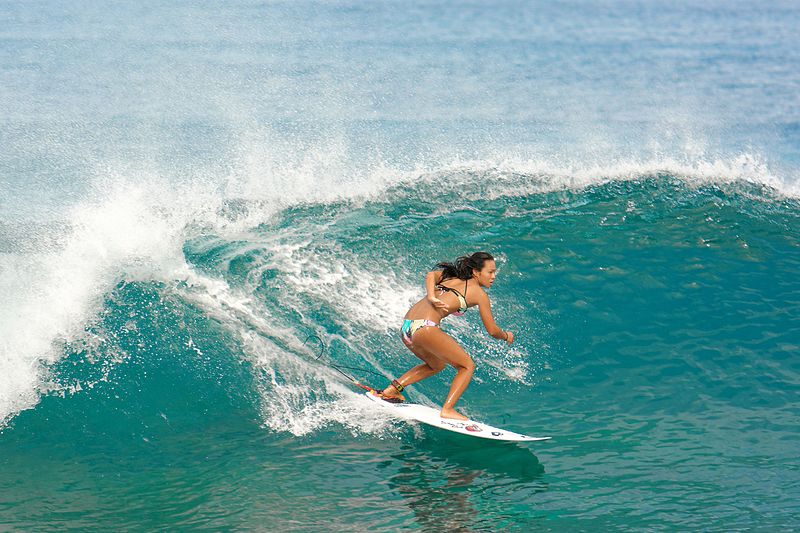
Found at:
(485, 308)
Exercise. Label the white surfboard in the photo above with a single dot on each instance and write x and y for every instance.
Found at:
(430, 416)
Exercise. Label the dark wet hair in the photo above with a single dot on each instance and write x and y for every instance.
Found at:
(463, 266)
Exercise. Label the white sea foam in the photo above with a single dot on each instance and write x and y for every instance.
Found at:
(298, 394)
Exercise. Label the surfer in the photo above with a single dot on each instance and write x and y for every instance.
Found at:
(450, 291)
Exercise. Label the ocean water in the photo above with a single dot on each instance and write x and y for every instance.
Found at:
(190, 192)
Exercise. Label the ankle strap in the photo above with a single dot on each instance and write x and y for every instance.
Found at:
(396, 385)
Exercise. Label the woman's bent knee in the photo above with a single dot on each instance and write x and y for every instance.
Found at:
(469, 366)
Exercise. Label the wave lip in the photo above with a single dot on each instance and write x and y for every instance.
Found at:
(53, 295)
(505, 177)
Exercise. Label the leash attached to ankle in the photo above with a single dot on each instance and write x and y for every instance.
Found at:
(396, 384)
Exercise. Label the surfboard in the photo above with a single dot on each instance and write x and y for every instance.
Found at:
(430, 416)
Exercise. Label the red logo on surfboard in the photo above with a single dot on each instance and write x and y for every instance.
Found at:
(473, 428)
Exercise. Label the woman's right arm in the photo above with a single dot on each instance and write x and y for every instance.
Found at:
(434, 277)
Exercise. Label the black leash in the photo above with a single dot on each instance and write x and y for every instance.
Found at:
(339, 368)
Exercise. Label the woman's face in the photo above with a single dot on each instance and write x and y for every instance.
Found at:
(486, 275)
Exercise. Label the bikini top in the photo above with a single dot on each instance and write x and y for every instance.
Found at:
(462, 298)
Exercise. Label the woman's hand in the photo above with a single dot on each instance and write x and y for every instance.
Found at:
(437, 303)
(509, 337)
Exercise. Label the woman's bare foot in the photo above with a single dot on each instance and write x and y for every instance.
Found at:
(449, 412)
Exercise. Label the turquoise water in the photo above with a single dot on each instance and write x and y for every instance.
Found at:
(190, 192)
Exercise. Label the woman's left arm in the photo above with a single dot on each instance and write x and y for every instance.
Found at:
(485, 308)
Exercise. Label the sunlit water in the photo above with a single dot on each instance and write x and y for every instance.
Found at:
(190, 192)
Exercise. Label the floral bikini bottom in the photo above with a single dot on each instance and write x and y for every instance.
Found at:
(412, 326)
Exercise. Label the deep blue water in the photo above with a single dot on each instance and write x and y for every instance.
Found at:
(189, 191)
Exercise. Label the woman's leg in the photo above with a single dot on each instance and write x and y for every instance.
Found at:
(431, 366)
(442, 346)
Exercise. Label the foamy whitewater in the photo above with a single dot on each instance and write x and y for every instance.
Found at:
(193, 195)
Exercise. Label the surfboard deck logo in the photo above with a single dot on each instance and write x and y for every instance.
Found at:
(430, 416)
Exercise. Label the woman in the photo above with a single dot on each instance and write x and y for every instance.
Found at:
(451, 291)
